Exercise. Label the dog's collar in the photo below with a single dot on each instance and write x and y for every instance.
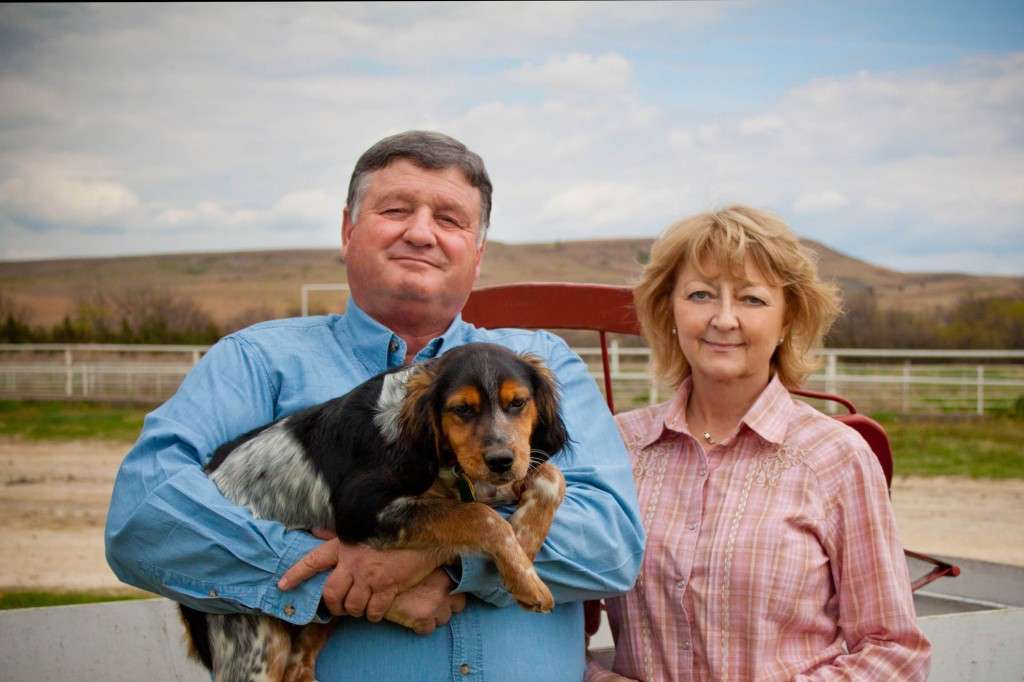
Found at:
(467, 493)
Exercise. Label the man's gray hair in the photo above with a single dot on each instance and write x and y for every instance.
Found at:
(426, 149)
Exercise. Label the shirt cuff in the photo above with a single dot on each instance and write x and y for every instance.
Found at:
(480, 578)
(298, 605)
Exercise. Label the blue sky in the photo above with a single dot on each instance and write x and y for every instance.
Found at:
(892, 131)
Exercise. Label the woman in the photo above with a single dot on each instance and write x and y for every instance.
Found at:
(771, 546)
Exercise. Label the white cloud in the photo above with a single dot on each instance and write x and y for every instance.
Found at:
(48, 195)
(820, 202)
(609, 72)
(764, 124)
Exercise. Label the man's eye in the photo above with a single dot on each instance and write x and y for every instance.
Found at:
(449, 221)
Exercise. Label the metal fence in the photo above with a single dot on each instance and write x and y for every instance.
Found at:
(897, 381)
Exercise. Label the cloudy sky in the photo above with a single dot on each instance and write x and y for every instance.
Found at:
(892, 131)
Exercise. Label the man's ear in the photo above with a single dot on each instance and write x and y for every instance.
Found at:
(479, 261)
(346, 231)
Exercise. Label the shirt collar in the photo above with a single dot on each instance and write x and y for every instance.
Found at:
(378, 348)
(767, 417)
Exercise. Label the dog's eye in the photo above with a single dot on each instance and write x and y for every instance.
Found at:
(516, 404)
(462, 411)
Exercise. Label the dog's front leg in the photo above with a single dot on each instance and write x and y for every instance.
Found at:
(543, 491)
(451, 528)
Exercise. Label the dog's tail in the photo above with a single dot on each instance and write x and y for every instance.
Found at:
(197, 635)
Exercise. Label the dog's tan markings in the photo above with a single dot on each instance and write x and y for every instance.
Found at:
(542, 493)
(522, 417)
(305, 648)
(460, 428)
(474, 528)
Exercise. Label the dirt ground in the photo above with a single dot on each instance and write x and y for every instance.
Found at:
(53, 502)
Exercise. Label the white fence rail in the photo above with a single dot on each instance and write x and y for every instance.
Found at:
(891, 380)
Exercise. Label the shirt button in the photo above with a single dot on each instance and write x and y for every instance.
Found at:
(289, 610)
(693, 526)
(681, 584)
(213, 593)
(686, 646)
(465, 669)
(393, 346)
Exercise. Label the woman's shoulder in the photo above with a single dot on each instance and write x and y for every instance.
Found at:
(829, 446)
(635, 425)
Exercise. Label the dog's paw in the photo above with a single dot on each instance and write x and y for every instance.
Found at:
(533, 595)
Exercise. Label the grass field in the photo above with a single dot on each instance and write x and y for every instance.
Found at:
(56, 420)
(31, 599)
(984, 448)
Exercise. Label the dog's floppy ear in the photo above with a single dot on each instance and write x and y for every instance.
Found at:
(420, 426)
(549, 434)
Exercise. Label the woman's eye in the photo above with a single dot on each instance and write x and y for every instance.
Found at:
(700, 296)
(754, 300)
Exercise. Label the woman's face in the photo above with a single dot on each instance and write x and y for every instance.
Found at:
(728, 328)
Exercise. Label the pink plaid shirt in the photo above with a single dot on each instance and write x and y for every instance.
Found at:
(773, 556)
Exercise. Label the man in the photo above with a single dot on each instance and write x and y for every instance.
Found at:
(412, 237)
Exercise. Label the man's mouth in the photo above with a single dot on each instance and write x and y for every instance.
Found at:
(414, 259)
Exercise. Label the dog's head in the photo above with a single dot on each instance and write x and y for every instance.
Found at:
(490, 410)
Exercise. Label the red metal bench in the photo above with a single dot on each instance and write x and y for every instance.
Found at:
(609, 309)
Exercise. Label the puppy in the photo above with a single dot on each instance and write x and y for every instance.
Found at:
(409, 459)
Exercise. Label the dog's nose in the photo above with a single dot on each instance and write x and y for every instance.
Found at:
(499, 462)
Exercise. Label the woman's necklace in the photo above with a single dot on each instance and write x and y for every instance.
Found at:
(709, 439)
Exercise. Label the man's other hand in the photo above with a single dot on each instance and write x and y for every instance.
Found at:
(428, 605)
(363, 580)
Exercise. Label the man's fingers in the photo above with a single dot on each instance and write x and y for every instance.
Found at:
(356, 599)
(379, 604)
(457, 602)
(336, 589)
(318, 560)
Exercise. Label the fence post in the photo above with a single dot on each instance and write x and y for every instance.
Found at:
(195, 357)
(69, 378)
(830, 381)
(981, 390)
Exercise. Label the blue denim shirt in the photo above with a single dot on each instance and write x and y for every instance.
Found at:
(170, 531)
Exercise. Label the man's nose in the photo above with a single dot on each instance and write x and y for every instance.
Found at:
(420, 229)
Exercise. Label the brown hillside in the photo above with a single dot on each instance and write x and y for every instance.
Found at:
(228, 284)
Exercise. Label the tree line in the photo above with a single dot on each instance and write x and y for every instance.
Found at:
(149, 316)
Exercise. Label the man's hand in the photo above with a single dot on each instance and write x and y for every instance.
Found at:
(364, 581)
(428, 605)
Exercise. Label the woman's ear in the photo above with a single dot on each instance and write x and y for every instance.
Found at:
(549, 433)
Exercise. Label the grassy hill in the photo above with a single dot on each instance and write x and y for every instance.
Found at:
(227, 284)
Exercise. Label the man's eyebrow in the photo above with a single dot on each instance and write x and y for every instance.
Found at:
(439, 201)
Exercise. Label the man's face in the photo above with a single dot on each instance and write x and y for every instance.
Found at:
(414, 241)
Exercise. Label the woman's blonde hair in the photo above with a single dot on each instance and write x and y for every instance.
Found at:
(726, 239)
